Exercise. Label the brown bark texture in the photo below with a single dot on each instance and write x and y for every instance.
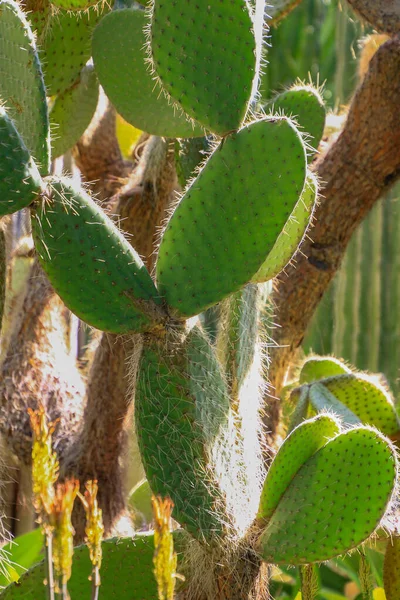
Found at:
(383, 15)
(359, 168)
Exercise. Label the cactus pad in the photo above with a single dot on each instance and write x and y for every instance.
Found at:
(72, 112)
(204, 54)
(335, 501)
(119, 39)
(391, 569)
(21, 83)
(20, 180)
(319, 367)
(189, 154)
(231, 216)
(132, 559)
(180, 406)
(75, 4)
(321, 399)
(90, 264)
(298, 447)
(365, 398)
(65, 46)
(304, 103)
(290, 239)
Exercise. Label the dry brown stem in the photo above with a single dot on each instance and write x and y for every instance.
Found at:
(358, 169)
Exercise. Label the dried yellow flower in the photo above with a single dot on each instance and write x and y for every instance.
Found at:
(94, 527)
(165, 559)
(63, 540)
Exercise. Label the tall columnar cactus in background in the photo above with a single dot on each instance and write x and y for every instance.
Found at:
(246, 206)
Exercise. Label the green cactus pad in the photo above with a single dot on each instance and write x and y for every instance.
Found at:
(231, 216)
(335, 501)
(21, 83)
(90, 264)
(20, 180)
(302, 443)
(180, 406)
(140, 504)
(130, 559)
(204, 54)
(189, 154)
(319, 367)
(119, 39)
(367, 399)
(290, 239)
(238, 334)
(391, 569)
(65, 46)
(73, 111)
(305, 104)
(322, 400)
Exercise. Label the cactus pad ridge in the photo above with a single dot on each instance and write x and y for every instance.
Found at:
(119, 39)
(367, 399)
(204, 55)
(304, 441)
(335, 502)
(231, 215)
(319, 367)
(20, 180)
(321, 399)
(303, 103)
(181, 406)
(21, 83)
(90, 264)
(123, 556)
(291, 237)
(73, 110)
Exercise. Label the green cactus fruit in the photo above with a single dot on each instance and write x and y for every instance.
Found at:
(90, 264)
(367, 399)
(73, 111)
(321, 399)
(230, 217)
(65, 46)
(21, 84)
(302, 443)
(189, 154)
(131, 559)
(181, 406)
(319, 367)
(238, 335)
(335, 501)
(294, 230)
(303, 103)
(119, 39)
(204, 55)
(20, 180)
(391, 569)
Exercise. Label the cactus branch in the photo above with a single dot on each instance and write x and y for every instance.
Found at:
(383, 15)
(358, 169)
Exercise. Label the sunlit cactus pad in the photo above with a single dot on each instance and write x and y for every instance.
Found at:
(20, 180)
(335, 502)
(90, 264)
(319, 367)
(305, 104)
(231, 216)
(298, 447)
(126, 573)
(180, 406)
(73, 111)
(204, 54)
(22, 88)
(367, 399)
(65, 46)
(119, 40)
(290, 238)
